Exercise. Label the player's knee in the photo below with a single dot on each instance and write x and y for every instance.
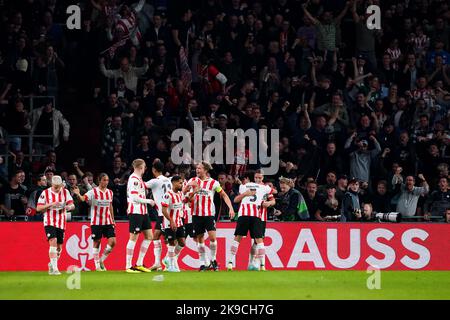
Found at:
(112, 242)
(133, 237)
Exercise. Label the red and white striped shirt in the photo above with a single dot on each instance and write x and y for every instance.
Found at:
(173, 201)
(136, 187)
(187, 206)
(251, 206)
(100, 206)
(203, 204)
(268, 197)
(55, 216)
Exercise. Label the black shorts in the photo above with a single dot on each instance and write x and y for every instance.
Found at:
(263, 228)
(159, 221)
(246, 224)
(107, 231)
(171, 235)
(53, 232)
(203, 224)
(139, 222)
(189, 230)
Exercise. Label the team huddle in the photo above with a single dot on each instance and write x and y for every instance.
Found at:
(185, 208)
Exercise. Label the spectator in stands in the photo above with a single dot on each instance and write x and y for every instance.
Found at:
(14, 196)
(48, 121)
(33, 196)
(128, 73)
(351, 204)
(330, 209)
(438, 202)
(18, 162)
(17, 124)
(113, 134)
(361, 159)
(312, 197)
(381, 199)
(409, 194)
(290, 204)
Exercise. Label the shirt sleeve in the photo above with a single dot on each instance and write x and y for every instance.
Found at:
(241, 189)
(216, 187)
(42, 199)
(133, 186)
(69, 199)
(167, 200)
(88, 196)
(150, 184)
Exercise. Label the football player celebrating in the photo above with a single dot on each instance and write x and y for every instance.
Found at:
(255, 198)
(172, 209)
(102, 218)
(159, 186)
(203, 213)
(138, 216)
(55, 202)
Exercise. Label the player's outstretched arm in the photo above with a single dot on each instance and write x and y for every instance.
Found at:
(136, 198)
(227, 200)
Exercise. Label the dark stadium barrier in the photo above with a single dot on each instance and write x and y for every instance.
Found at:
(289, 246)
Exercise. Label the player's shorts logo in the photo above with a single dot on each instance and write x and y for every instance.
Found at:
(137, 229)
(48, 235)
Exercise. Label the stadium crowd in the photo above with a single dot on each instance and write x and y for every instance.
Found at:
(363, 114)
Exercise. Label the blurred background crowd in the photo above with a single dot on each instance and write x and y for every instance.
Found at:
(363, 114)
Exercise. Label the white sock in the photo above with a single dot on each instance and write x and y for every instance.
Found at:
(252, 254)
(213, 248)
(260, 254)
(157, 251)
(53, 255)
(202, 254)
(130, 250)
(171, 256)
(233, 252)
(143, 251)
(106, 252)
(95, 253)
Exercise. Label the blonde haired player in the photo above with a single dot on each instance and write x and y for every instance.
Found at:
(55, 202)
(138, 216)
(203, 212)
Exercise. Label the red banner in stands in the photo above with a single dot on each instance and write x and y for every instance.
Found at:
(289, 246)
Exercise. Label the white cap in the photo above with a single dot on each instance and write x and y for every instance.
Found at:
(57, 180)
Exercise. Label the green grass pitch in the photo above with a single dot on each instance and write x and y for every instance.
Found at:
(228, 285)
